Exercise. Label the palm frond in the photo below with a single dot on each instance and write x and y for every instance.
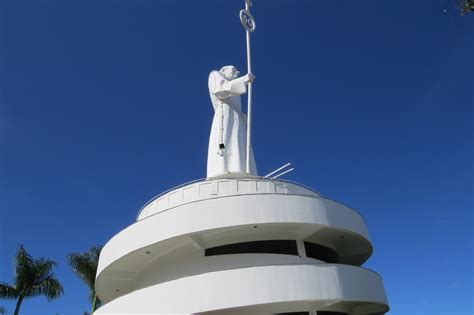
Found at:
(43, 269)
(465, 6)
(23, 262)
(85, 265)
(49, 287)
(82, 268)
(7, 291)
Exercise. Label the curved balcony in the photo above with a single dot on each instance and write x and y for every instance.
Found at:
(260, 290)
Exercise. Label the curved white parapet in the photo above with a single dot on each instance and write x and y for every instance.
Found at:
(260, 290)
(232, 211)
(288, 215)
(220, 187)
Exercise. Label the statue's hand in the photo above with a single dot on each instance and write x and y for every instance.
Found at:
(249, 78)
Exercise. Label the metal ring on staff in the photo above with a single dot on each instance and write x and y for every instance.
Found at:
(247, 20)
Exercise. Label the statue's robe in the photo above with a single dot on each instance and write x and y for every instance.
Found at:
(228, 140)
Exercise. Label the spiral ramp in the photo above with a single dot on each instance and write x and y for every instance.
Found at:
(240, 246)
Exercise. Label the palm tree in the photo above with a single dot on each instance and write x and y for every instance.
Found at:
(85, 267)
(33, 277)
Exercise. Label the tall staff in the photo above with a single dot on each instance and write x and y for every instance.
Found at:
(248, 22)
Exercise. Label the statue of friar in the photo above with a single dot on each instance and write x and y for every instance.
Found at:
(228, 140)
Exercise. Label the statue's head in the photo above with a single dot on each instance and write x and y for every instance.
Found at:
(230, 72)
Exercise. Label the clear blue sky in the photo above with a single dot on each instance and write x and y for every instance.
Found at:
(104, 104)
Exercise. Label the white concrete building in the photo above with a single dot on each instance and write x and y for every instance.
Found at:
(238, 243)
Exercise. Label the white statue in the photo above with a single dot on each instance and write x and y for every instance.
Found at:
(227, 143)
